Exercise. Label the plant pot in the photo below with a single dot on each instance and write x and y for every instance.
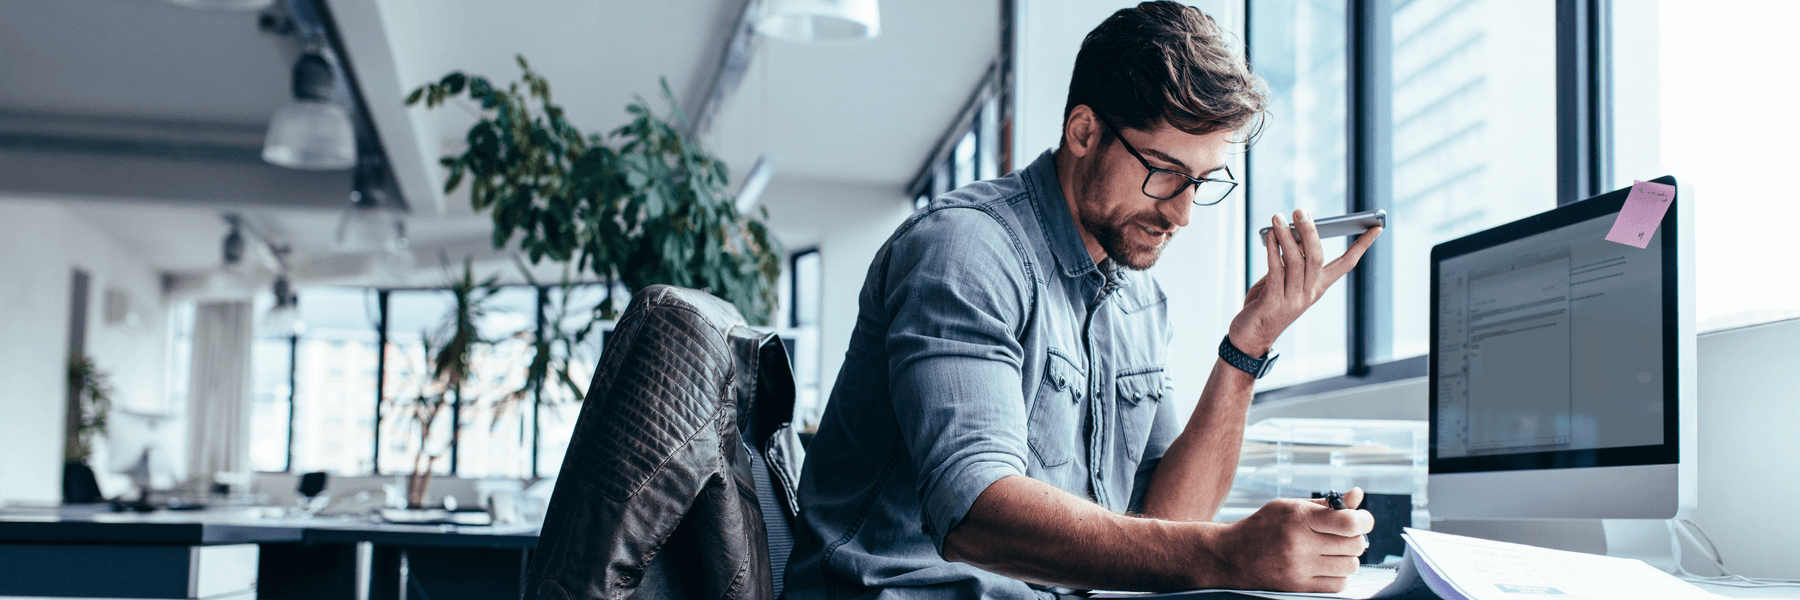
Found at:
(417, 484)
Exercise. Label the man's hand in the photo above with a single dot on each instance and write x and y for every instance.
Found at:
(1296, 545)
(1298, 276)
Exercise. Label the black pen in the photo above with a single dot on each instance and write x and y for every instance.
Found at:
(1336, 500)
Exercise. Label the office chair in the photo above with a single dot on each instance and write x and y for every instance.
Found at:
(679, 478)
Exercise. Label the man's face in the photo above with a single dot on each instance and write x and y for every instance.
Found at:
(1130, 226)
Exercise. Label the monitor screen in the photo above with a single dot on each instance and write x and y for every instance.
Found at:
(1551, 348)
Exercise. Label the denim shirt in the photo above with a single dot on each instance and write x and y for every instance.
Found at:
(987, 344)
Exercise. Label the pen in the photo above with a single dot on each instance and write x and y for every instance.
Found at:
(1336, 500)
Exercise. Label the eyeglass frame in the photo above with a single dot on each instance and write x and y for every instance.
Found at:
(1192, 181)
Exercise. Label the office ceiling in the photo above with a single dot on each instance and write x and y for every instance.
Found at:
(146, 118)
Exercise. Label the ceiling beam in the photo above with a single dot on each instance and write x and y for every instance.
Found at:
(376, 37)
(734, 62)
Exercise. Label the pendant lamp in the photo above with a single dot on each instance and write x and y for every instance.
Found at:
(311, 133)
(820, 21)
(372, 223)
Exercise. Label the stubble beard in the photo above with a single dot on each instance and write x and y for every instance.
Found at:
(1111, 230)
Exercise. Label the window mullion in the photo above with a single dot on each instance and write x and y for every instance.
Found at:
(1370, 176)
(381, 343)
(1583, 107)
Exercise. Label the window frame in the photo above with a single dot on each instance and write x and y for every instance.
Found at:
(1583, 168)
(981, 117)
(381, 326)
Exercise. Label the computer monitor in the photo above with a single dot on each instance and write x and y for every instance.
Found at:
(1562, 369)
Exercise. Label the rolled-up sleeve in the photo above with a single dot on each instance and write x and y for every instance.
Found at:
(957, 292)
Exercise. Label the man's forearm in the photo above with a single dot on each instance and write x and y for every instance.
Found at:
(1195, 474)
(1027, 529)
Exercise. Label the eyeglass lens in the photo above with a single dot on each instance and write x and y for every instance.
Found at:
(1165, 185)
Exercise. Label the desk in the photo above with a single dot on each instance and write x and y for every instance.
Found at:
(400, 561)
(158, 555)
(148, 555)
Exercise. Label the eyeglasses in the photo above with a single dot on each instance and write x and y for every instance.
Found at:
(1163, 184)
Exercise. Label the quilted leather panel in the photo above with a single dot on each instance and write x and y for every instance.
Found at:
(658, 496)
(665, 390)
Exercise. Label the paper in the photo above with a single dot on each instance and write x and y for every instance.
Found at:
(1368, 582)
(1453, 567)
(1463, 568)
(1643, 212)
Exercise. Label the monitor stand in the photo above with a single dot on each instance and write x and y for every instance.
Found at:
(1653, 541)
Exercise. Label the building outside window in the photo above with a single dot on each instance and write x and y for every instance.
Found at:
(1474, 134)
(334, 375)
(1299, 48)
(1473, 130)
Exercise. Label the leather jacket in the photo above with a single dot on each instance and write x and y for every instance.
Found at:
(657, 496)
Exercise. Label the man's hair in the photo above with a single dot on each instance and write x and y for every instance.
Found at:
(1164, 61)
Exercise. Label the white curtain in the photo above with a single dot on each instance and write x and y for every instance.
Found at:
(219, 390)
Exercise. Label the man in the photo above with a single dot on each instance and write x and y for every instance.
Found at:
(1000, 426)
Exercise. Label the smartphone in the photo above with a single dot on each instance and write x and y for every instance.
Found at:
(1350, 224)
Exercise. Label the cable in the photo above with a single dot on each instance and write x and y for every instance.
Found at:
(1711, 550)
(1725, 578)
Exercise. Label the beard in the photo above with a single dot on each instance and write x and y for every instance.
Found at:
(1115, 232)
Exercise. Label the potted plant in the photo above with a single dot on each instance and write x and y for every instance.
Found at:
(447, 355)
(93, 393)
(653, 209)
(87, 417)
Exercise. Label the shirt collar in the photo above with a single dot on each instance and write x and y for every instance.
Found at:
(1053, 214)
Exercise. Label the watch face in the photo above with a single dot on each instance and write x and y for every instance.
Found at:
(1268, 363)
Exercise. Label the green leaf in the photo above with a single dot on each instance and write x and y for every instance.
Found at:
(413, 98)
(453, 83)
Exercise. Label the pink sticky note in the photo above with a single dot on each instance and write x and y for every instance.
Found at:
(1644, 210)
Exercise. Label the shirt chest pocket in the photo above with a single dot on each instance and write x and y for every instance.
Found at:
(1139, 393)
(1053, 433)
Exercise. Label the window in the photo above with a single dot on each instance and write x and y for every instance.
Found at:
(1697, 93)
(1474, 133)
(495, 440)
(414, 322)
(558, 408)
(1446, 113)
(333, 405)
(1298, 46)
(271, 401)
(806, 273)
(314, 395)
(969, 152)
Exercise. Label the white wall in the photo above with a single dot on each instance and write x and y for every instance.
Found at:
(848, 222)
(40, 243)
(1749, 413)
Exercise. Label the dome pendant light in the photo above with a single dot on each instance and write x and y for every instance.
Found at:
(311, 133)
(284, 318)
(820, 21)
(372, 223)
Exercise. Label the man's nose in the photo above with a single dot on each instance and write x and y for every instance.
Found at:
(1178, 209)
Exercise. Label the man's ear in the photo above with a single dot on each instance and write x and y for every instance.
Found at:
(1081, 132)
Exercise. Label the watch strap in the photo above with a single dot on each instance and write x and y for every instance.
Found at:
(1256, 367)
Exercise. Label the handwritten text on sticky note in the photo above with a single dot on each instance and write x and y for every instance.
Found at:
(1644, 209)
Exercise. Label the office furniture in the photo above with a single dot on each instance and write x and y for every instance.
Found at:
(657, 493)
(442, 562)
(167, 555)
(133, 555)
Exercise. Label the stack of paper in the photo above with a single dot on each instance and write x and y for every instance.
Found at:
(1453, 567)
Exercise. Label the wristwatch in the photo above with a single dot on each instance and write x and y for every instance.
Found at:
(1256, 367)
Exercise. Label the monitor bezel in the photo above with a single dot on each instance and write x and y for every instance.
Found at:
(1666, 453)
